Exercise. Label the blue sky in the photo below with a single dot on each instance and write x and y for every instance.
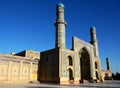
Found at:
(29, 24)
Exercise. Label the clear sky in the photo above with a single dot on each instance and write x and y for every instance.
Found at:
(29, 24)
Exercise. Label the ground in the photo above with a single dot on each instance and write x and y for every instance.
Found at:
(107, 84)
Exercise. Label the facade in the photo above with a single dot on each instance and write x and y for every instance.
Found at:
(62, 65)
(58, 65)
(19, 68)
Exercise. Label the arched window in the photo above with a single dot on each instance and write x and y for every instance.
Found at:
(70, 60)
(96, 65)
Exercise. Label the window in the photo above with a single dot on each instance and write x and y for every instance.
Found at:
(70, 61)
(96, 65)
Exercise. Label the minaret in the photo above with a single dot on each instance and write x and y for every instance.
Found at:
(60, 25)
(108, 64)
(94, 41)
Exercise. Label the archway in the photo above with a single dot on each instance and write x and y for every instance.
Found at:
(85, 64)
(96, 75)
(70, 74)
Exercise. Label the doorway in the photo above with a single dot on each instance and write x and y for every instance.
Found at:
(85, 64)
(70, 74)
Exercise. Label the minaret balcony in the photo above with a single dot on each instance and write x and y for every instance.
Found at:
(60, 21)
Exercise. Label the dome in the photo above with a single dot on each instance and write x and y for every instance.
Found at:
(60, 5)
(93, 29)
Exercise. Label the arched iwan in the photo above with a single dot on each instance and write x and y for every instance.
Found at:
(85, 64)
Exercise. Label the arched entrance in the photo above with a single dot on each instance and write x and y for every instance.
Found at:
(96, 75)
(70, 74)
(85, 64)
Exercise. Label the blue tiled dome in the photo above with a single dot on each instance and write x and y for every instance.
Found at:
(60, 5)
(93, 29)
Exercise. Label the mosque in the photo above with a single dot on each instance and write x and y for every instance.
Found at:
(58, 65)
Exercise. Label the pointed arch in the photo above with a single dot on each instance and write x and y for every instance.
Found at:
(85, 63)
(86, 49)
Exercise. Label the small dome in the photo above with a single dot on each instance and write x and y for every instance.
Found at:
(60, 5)
(92, 29)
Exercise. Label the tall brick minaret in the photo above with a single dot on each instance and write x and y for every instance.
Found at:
(94, 41)
(60, 25)
(108, 64)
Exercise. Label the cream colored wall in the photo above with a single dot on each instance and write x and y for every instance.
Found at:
(17, 69)
(32, 54)
(108, 73)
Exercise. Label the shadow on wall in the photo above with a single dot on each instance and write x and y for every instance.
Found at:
(38, 72)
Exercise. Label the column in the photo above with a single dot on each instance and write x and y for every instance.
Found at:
(21, 67)
(30, 73)
(9, 69)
